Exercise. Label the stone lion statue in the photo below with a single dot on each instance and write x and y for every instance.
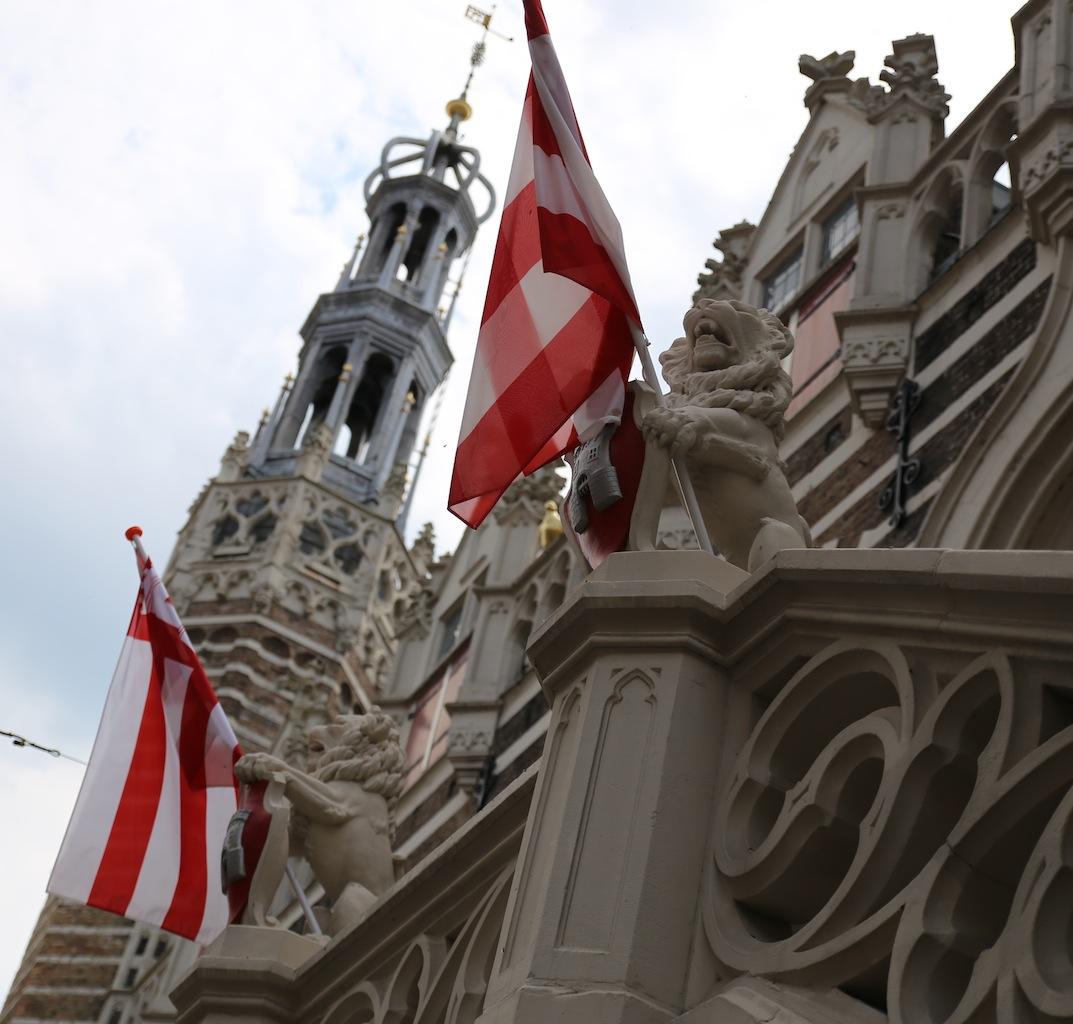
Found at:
(725, 415)
(342, 820)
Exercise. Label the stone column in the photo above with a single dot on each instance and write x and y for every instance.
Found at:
(393, 417)
(876, 330)
(398, 249)
(1041, 158)
(604, 904)
(340, 399)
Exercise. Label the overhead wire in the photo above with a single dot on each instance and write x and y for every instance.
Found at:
(22, 741)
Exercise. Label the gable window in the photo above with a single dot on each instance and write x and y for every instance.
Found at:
(450, 625)
(782, 283)
(839, 230)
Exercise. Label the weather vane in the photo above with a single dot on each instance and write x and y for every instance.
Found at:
(483, 18)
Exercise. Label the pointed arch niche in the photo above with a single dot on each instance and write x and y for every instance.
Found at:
(989, 190)
(936, 238)
(315, 398)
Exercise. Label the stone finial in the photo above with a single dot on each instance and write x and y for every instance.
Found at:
(828, 74)
(307, 710)
(724, 414)
(316, 448)
(722, 278)
(233, 461)
(531, 493)
(344, 810)
(834, 65)
(424, 546)
(417, 615)
(394, 488)
(910, 72)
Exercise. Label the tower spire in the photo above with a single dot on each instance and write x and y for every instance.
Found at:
(374, 347)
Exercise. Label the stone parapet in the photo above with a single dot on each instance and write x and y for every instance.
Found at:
(835, 790)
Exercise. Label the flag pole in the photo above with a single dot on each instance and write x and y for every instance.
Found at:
(685, 484)
(303, 900)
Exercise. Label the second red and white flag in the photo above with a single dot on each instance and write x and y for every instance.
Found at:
(148, 827)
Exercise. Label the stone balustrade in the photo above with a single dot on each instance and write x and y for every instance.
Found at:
(837, 790)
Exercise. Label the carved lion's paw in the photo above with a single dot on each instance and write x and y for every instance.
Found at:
(674, 429)
(258, 767)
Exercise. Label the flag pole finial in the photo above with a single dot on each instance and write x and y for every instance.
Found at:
(134, 535)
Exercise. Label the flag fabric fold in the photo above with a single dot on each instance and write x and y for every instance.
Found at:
(145, 837)
(556, 341)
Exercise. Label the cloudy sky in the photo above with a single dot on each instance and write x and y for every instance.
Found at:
(179, 179)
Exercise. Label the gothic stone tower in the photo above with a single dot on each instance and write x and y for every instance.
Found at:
(291, 569)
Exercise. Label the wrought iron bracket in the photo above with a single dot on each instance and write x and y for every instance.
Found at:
(895, 496)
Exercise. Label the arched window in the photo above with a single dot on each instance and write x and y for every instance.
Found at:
(321, 389)
(365, 406)
(946, 241)
(450, 244)
(1001, 191)
(519, 660)
(410, 269)
(936, 237)
(385, 231)
(989, 189)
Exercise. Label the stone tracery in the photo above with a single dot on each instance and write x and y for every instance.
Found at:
(925, 796)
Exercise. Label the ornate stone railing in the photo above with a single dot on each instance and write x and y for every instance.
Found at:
(424, 952)
(837, 790)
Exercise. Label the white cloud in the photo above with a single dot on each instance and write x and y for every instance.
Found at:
(180, 179)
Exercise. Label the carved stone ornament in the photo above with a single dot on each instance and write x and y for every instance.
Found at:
(873, 366)
(418, 613)
(394, 488)
(234, 458)
(1044, 170)
(424, 546)
(342, 810)
(834, 65)
(933, 823)
(722, 278)
(910, 71)
(468, 741)
(725, 411)
(530, 494)
(874, 350)
(316, 448)
(828, 74)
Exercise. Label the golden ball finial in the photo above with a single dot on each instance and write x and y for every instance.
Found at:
(459, 108)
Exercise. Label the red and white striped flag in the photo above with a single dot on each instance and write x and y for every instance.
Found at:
(556, 343)
(148, 827)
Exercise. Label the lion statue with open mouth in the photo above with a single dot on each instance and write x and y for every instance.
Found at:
(725, 416)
